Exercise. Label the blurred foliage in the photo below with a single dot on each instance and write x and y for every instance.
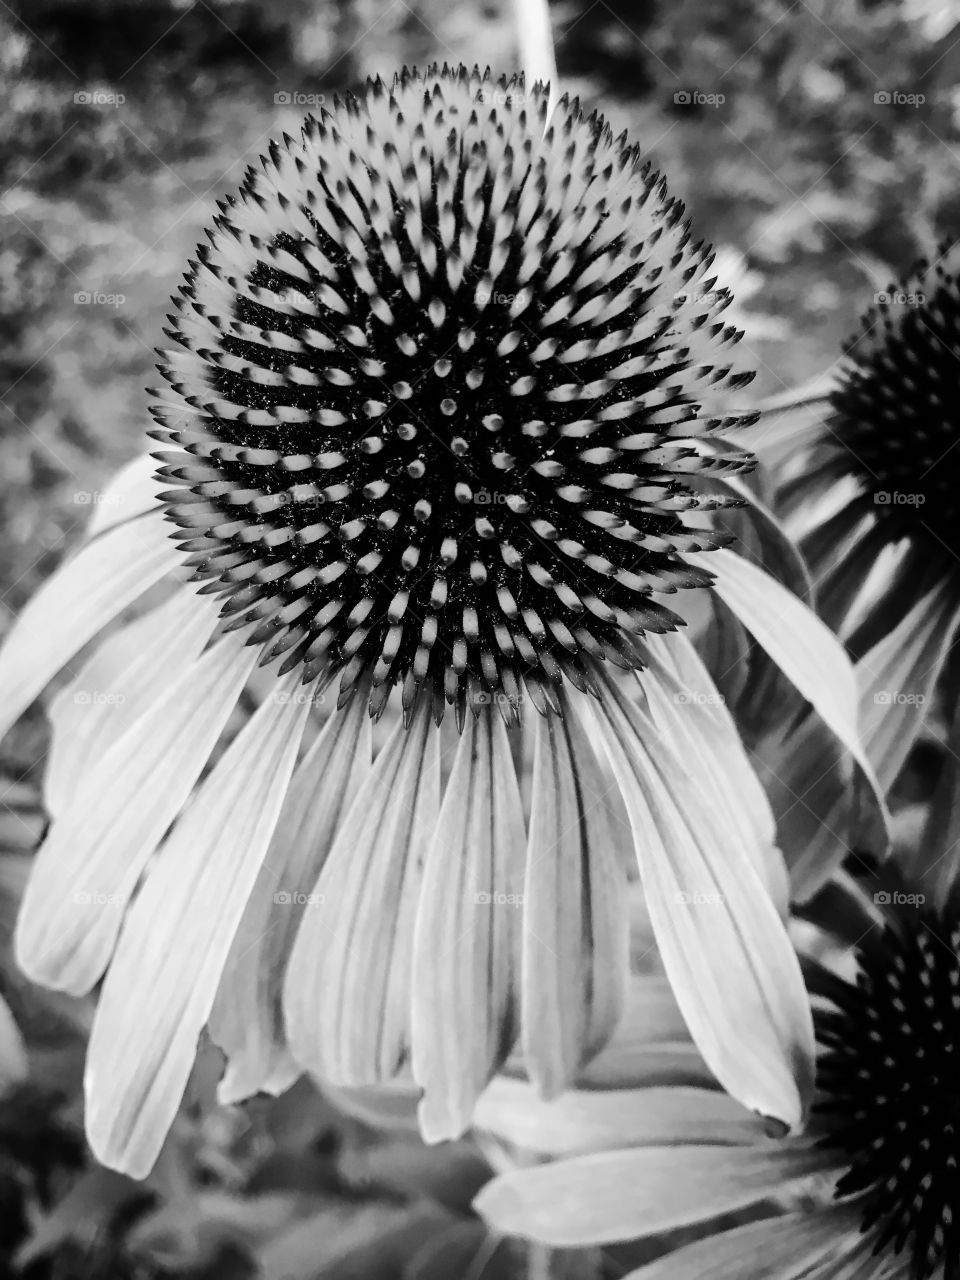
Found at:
(121, 122)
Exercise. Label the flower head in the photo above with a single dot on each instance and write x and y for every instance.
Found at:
(870, 493)
(434, 424)
(437, 377)
(870, 1189)
(893, 414)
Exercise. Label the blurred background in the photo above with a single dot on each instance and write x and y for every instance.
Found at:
(817, 145)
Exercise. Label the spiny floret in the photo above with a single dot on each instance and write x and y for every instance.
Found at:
(436, 376)
(896, 413)
(891, 1085)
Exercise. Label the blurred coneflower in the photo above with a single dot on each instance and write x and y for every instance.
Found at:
(648, 1150)
(870, 493)
(430, 448)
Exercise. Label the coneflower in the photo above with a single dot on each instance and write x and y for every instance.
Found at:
(430, 450)
(650, 1150)
(870, 493)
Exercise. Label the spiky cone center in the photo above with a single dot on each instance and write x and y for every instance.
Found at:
(895, 413)
(889, 1079)
(437, 375)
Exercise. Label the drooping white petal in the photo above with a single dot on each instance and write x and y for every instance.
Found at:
(347, 990)
(575, 927)
(789, 1247)
(76, 602)
(813, 789)
(733, 969)
(758, 693)
(931, 863)
(626, 1195)
(130, 493)
(246, 1021)
(689, 709)
(13, 1053)
(607, 1119)
(467, 934)
(122, 679)
(805, 649)
(160, 988)
(96, 850)
(650, 1045)
(897, 678)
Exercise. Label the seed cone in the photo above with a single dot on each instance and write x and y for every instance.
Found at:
(436, 377)
(895, 412)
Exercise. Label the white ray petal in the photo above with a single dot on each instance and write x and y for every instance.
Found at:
(130, 493)
(76, 602)
(123, 678)
(689, 709)
(575, 926)
(95, 852)
(607, 1119)
(801, 645)
(246, 1021)
(734, 971)
(14, 1066)
(467, 934)
(347, 991)
(160, 988)
(788, 1247)
(626, 1195)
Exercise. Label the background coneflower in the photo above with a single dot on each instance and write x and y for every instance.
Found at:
(648, 1150)
(429, 445)
(868, 490)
